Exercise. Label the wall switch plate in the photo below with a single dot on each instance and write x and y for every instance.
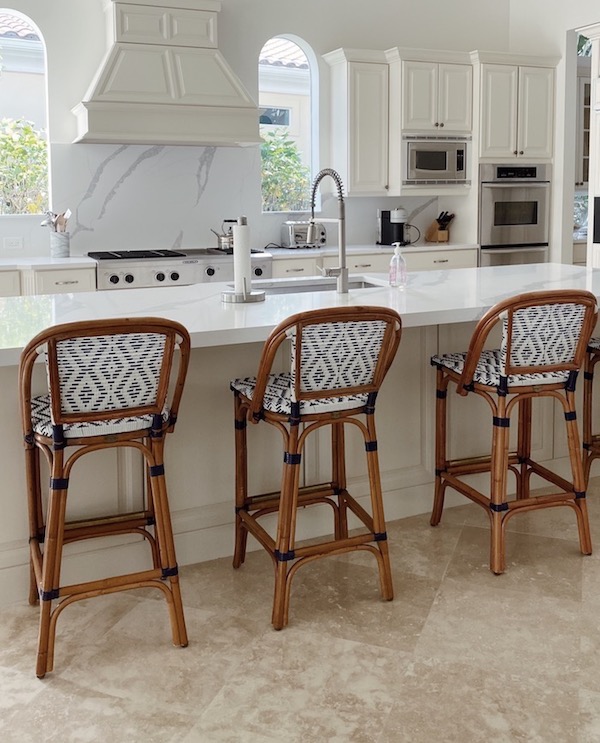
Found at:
(13, 243)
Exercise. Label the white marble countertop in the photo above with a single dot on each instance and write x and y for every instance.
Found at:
(46, 263)
(430, 298)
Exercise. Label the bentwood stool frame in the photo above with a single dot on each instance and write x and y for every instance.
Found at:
(545, 336)
(591, 440)
(339, 358)
(111, 384)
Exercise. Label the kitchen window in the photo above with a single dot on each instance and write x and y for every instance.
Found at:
(23, 117)
(286, 109)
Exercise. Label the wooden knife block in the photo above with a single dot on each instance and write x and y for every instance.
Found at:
(435, 235)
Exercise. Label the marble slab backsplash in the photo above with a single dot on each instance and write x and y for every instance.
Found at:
(136, 197)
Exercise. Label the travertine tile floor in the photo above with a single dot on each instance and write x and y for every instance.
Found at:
(459, 655)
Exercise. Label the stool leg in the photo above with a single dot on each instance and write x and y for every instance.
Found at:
(338, 477)
(166, 543)
(588, 388)
(499, 472)
(241, 480)
(50, 579)
(36, 516)
(441, 463)
(379, 527)
(579, 484)
(524, 447)
(286, 524)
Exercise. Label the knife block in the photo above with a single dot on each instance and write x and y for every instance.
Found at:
(435, 235)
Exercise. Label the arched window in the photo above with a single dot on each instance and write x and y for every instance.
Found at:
(286, 91)
(23, 117)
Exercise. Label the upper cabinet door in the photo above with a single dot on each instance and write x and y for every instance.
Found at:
(535, 112)
(517, 112)
(420, 96)
(499, 84)
(368, 128)
(455, 99)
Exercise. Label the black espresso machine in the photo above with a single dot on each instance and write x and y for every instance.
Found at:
(392, 227)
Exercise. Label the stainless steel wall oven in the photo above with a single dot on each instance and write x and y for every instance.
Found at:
(514, 213)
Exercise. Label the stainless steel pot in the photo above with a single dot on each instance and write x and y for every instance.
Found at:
(225, 237)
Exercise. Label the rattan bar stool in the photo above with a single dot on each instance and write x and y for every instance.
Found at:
(110, 383)
(591, 440)
(339, 358)
(544, 340)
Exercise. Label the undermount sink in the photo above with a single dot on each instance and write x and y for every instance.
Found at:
(308, 284)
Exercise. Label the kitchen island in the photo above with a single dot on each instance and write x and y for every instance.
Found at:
(438, 309)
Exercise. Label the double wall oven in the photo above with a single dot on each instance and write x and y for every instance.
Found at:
(514, 214)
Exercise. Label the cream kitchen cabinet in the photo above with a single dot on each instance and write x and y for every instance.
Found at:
(58, 280)
(363, 263)
(285, 268)
(359, 120)
(517, 112)
(431, 259)
(10, 283)
(437, 97)
(582, 147)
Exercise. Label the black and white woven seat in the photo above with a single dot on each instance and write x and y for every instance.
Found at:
(338, 360)
(544, 341)
(110, 383)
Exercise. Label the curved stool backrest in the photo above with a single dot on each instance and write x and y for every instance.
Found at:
(107, 369)
(542, 332)
(335, 351)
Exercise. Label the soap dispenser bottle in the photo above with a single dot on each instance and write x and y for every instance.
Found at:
(397, 268)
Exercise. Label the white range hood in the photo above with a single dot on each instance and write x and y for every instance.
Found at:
(164, 81)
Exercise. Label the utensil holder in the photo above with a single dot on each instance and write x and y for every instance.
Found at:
(60, 244)
(435, 235)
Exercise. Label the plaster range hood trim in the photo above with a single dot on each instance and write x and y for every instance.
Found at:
(156, 86)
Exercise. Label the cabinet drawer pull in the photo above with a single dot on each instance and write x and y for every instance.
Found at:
(362, 265)
(441, 260)
(294, 270)
(64, 283)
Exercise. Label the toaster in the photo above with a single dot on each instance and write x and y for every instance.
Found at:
(293, 235)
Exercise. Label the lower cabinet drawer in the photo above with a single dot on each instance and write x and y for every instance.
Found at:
(284, 269)
(440, 259)
(361, 263)
(60, 281)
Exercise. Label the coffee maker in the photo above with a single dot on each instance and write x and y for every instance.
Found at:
(392, 226)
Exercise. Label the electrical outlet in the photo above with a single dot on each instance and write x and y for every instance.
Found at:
(13, 243)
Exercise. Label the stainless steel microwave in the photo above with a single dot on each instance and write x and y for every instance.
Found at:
(435, 161)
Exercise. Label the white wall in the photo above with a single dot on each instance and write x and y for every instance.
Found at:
(138, 197)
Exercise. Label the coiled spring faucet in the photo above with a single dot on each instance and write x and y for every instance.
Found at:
(341, 271)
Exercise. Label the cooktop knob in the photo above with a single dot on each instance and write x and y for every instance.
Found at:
(129, 278)
(114, 279)
(210, 271)
(174, 276)
(258, 271)
(160, 276)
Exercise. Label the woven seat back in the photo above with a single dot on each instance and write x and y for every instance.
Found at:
(105, 373)
(540, 337)
(331, 358)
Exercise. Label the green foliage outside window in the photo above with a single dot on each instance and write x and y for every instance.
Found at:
(23, 168)
(285, 178)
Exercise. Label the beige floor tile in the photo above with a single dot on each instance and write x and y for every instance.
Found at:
(455, 702)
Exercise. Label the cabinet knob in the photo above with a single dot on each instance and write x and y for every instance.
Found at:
(436, 123)
(515, 152)
(442, 124)
(521, 152)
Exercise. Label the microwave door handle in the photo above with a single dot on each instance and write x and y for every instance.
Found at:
(460, 160)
